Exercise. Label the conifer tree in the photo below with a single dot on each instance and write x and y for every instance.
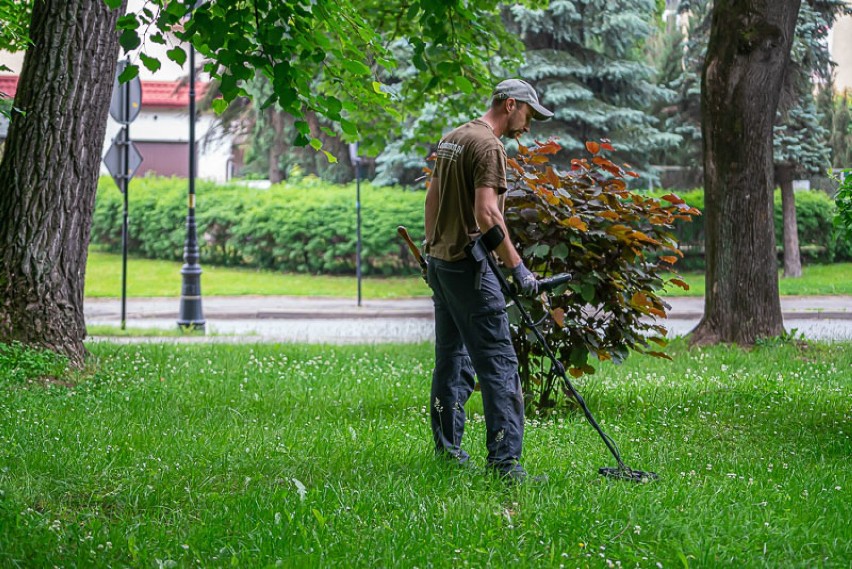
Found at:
(585, 59)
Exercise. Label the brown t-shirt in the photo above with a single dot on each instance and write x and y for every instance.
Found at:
(469, 157)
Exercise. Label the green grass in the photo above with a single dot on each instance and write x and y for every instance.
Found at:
(816, 280)
(134, 332)
(151, 278)
(318, 456)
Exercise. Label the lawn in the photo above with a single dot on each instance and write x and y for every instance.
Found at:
(319, 456)
(149, 278)
(816, 280)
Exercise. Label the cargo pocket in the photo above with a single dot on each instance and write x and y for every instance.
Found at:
(491, 330)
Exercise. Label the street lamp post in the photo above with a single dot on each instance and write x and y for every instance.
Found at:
(191, 316)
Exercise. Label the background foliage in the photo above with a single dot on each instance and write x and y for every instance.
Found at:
(819, 240)
(309, 226)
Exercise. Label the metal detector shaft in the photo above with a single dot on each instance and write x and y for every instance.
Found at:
(509, 290)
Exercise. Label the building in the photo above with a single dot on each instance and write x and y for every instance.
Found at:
(161, 131)
(840, 44)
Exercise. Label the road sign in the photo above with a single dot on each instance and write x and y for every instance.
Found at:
(126, 110)
(113, 160)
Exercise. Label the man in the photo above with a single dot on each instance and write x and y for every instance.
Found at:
(471, 325)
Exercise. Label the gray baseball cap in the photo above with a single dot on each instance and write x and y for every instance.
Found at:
(520, 90)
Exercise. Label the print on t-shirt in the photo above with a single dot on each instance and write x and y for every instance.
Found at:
(449, 150)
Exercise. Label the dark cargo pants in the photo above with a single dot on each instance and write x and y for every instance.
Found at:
(472, 336)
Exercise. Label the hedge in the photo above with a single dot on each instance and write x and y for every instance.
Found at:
(309, 226)
(819, 240)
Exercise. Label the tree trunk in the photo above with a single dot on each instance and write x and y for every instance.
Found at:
(49, 173)
(741, 81)
(792, 260)
(278, 147)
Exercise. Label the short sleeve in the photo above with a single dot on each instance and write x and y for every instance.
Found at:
(490, 169)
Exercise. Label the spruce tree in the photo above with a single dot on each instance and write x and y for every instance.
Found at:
(585, 59)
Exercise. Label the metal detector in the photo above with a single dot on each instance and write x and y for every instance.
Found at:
(620, 472)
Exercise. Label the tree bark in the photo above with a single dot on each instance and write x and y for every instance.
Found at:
(741, 82)
(792, 259)
(278, 147)
(49, 173)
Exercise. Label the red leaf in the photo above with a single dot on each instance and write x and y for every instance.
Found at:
(514, 164)
(659, 355)
(549, 147)
(671, 198)
(552, 177)
(657, 312)
(558, 316)
(593, 147)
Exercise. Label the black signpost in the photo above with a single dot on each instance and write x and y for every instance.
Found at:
(356, 162)
(123, 158)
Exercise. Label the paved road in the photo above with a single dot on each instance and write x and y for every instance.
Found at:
(336, 320)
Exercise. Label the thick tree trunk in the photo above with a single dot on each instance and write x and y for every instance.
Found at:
(749, 48)
(792, 259)
(277, 148)
(49, 173)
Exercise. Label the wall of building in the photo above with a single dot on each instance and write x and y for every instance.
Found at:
(841, 51)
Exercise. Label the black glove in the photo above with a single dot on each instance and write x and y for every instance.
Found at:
(525, 280)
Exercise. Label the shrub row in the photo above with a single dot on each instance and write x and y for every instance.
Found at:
(819, 240)
(309, 226)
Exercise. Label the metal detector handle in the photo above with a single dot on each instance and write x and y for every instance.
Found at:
(544, 285)
(550, 283)
(403, 232)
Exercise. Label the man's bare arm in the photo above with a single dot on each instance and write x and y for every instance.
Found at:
(488, 214)
(431, 207)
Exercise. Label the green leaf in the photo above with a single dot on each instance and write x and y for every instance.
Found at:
(332, 159)
(377, 87)
(303, 127)
(177, 54)
(464, 84)
(316, 143)
(130, 72)
(355, 67)
(127, 22)
(129, 40)
(176, 9)
(151, 63)
(587, 291)
(348, 127)
(112, 4)
(219, 105)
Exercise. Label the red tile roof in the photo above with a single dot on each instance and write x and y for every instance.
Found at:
(155, 94)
